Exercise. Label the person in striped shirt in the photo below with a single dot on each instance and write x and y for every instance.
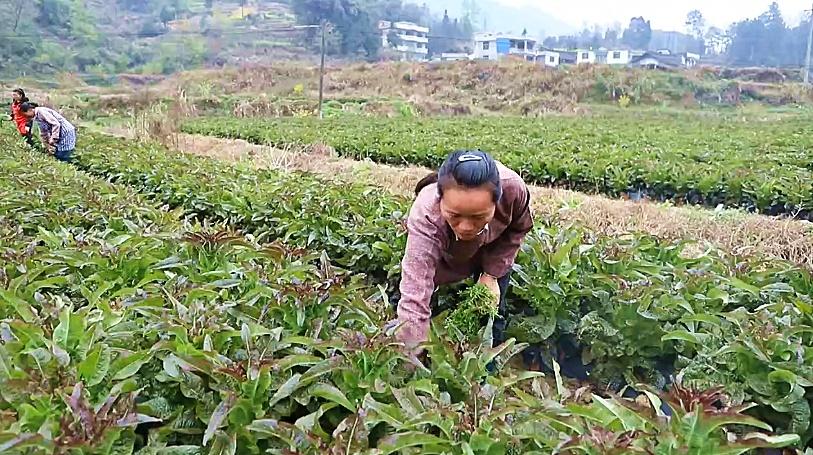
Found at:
(58, 134)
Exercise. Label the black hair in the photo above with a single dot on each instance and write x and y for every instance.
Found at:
(21, 92)
(27, 106)
(466, 168)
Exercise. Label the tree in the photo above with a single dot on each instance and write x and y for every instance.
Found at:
(638, 34)
(611, 38)
(53, 13)
(766, 41)
(18, 7)
(773, 36)
(452, 35)
(167, 14)
(411, 12)
(351, 23)
(716, 40)
(696, 23)
(17, 51)
(746, 37)
(471, 11)
(696, 26)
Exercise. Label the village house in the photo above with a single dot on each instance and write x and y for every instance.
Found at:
(613, 56)
(584, 56)
(495, 46)
(567, 57)
(410, 40)
(549, 58)
(664, 60)
(452, 57)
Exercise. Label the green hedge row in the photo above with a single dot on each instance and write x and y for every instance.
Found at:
(759, 165)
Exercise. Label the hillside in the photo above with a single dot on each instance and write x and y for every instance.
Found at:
(153, 36)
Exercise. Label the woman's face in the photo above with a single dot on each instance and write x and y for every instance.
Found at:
(16, 97)
(467, 210)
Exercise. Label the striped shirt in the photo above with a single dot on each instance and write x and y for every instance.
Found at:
(55, 130)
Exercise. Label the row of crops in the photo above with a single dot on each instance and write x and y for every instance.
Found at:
(755, 164)
(134, 317)
(633, 302)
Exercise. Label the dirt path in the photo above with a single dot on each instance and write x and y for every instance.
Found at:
(736, 232)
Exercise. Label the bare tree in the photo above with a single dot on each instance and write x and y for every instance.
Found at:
(18, 12)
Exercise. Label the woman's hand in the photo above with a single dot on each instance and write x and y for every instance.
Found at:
(491, 283)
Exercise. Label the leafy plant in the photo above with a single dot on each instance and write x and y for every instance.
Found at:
(477, 304)
(688, 158)
(201, 338)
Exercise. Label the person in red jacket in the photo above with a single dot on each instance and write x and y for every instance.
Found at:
(24, 124)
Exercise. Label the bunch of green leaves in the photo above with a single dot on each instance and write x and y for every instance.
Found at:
(699, 424)
(760, 356)
(476, 305)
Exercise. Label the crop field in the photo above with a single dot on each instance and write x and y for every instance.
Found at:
(158, 302)
(759, 164)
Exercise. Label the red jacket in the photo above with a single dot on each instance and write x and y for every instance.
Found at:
(19, 118)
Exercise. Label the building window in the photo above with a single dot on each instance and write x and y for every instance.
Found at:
(616, 55)
(552, 59)
(585, 56)
(486, 45)
(485, 57)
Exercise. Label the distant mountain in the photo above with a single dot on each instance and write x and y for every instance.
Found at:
(503, 18)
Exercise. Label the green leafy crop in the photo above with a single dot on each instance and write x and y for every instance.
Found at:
(696, 159)
(477, 305)
(189, 307)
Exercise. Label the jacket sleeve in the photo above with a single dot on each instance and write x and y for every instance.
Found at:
(56, 127)
(423, 252)
(499, 256)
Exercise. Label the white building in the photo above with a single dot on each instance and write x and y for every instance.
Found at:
(619, 57)
(408, 39)
(454, 56)
(549, 58)
(494, 46)
(585, 56)
(657, 60)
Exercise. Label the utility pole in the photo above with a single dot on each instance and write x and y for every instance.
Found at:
(809, 45)
(322, 69)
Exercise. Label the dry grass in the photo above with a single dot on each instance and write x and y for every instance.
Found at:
(513, 86)
(738, 233)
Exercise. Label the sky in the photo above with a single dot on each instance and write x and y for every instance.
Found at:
(665, 15)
